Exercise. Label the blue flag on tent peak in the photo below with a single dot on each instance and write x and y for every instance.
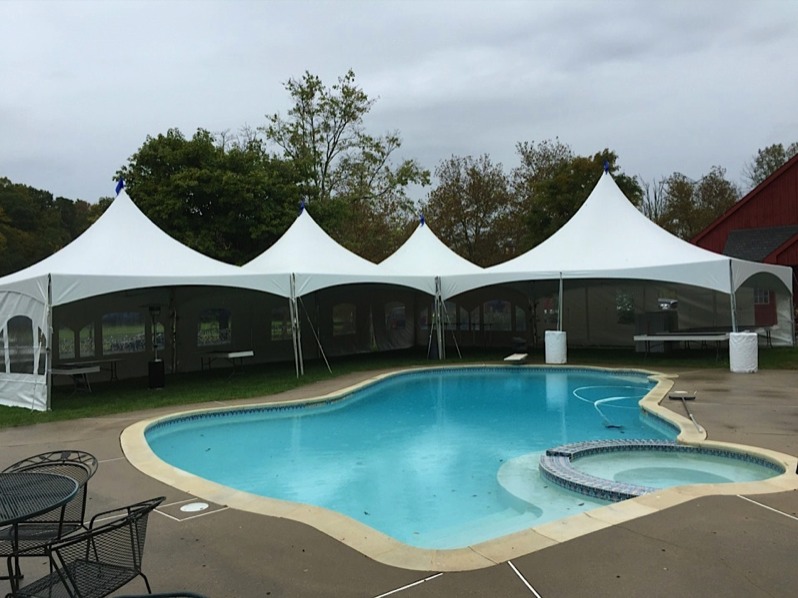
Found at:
(120, 184)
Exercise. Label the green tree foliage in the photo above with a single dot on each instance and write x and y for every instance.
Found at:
(33, 225)
(472, 209)
(690, 206)
(539, 161)
(223, 196)
(552, 184)
(354, 190)
(767, 161)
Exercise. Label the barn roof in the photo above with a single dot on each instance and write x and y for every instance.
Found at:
(756, 244)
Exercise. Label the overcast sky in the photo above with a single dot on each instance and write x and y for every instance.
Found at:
(676, 85)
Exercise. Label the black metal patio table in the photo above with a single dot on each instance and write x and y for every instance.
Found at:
(25, 495)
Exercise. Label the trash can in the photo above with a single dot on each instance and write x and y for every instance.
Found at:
(156, 373)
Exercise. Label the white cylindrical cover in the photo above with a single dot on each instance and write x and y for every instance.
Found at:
(556, 349)
(743, 352)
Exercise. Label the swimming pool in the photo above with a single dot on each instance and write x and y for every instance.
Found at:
(433, 459)
(417, 455)
(515, 473)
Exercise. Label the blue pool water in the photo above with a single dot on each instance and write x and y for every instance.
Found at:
(416, 455)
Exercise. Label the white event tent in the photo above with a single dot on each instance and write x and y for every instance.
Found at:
(609, 239)
(306, 260)
(425, 254)
(122, 251)
(124, 264)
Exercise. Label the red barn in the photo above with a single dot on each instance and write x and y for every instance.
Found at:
(761, 227)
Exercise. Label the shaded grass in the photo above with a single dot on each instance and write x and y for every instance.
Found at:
(268, 379)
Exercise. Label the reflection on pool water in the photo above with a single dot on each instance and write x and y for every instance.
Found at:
(417, 455)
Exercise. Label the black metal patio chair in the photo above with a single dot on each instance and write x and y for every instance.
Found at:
(30, 536)
(97, 562)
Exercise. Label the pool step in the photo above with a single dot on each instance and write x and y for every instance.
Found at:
(502, 522)
(556, 466)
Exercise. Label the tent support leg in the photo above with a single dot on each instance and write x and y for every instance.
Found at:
(316, 336)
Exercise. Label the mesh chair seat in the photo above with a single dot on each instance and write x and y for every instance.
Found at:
(33, 535)
(86, 579)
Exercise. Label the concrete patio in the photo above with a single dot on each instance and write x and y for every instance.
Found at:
(733, 545)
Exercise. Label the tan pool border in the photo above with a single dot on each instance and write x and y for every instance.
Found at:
(386, 550)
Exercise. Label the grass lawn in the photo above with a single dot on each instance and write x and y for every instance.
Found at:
(263, 380)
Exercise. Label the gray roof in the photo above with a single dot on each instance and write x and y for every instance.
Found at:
(755, 244)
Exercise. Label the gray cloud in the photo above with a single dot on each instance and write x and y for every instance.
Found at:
(670, 86)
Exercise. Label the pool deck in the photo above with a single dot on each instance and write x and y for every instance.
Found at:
(738, 544)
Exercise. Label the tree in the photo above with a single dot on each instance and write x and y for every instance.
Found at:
(538, 162)
(76, 216)
(654, 205)
(221, 195)
(472, 209)
(692, 205)
(552, 184)
(34, 225)
(767, 161)
(353, 189)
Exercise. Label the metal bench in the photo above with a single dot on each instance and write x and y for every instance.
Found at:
(234, 357)
(683, 337)
(79, 374)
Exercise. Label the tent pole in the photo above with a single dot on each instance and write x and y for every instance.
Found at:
(733, 299)
(299, 338)
(315, 335)
(559, 307)
(446, 319)
(372, 334)
(532, 317)
(48, 365)
(431, 332)
(439, 317)
(173, 326)
(292, 315)
(587, 313)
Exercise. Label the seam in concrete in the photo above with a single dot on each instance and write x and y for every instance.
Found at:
(523, 579)
(410, 585)
(769, 508)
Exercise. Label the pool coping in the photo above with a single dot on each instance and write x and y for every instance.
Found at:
(387, 550)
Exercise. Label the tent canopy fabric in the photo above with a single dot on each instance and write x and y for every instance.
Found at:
(317, 262)
(425, 254)
(609, 238)
(123, 250)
